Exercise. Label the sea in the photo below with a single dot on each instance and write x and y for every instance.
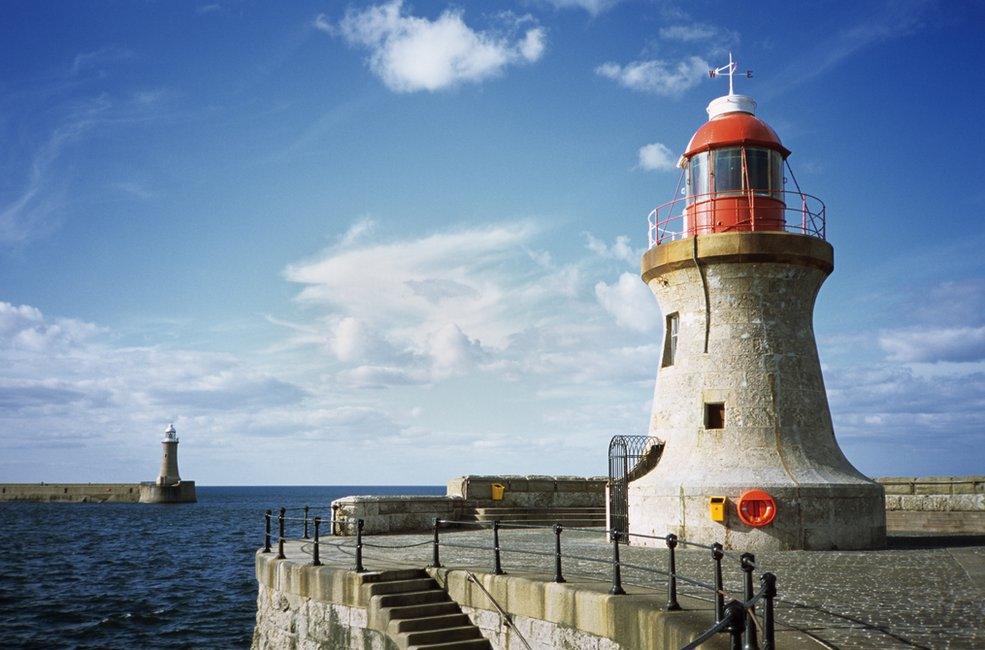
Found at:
(125, 575)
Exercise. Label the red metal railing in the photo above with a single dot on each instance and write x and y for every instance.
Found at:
(802, 213)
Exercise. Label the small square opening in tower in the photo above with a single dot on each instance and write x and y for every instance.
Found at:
(715, 415)
(670, 339)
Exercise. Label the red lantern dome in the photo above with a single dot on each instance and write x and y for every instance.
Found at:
(734, 177)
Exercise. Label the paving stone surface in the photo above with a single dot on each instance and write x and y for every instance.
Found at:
(922, 592)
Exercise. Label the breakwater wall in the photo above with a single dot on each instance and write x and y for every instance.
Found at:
(71, 492)
(183, 492)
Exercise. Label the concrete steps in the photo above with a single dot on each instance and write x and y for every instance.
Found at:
(417, 614)
(585, 517)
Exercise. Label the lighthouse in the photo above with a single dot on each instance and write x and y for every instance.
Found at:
(169, 458)
(168, 488)
(736, 261)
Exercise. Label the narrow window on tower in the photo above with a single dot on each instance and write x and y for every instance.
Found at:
(670, 339)
(715, 415)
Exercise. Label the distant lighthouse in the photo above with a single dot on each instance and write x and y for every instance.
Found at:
(169, 459)
(168, 488)
(750, 457)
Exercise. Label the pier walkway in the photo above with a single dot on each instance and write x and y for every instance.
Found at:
(922, 592)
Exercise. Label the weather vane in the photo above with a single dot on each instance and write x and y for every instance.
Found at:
(730, 70)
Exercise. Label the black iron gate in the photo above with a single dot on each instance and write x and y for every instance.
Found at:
(629, 458)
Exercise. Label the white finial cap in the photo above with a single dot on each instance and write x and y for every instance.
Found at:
(170, 429)
(731, 104)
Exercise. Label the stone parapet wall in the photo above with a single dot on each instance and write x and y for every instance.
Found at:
(952, 505)
(393, 514)
(933, 485)
(533, 491)
(71, 492)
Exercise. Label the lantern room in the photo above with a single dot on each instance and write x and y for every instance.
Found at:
(733, 177)
(733, 170)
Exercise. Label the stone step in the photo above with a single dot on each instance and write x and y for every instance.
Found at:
(471, 644)
(441, 635)
(399, 586)
(391, 575)
(426, 623)
(570, 523)
(411, 598)
(513, 509)
(421, 611)
(490, 516)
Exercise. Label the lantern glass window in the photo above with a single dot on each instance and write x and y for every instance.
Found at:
(728, 169)
(698, 175)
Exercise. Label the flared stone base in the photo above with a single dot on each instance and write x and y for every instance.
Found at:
(183, 492)
(817, 517)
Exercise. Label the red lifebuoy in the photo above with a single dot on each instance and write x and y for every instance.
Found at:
(756, 508)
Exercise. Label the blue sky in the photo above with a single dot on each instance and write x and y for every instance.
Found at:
(383, 243)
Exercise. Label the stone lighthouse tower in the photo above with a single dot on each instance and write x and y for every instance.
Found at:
(169, 460)
(168, 488)
(750, 457)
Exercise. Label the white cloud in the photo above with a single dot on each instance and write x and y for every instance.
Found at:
(410, 53)
(656, 76)
(621, 249)
(630, 303)
(688, 33)
(934, 344)
(453, 352)
(656, 157)
(594, 7)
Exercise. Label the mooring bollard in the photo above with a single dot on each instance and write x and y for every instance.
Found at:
(280, 534)
(717, 553)
(435, 553)
(617, 589)
(497, 564)
(359, 546)
(315, 557)
(266, 531)
(305, 523)
(672, 604)
(768, 581)
(748, 562)
(736, 615)
(557, 554)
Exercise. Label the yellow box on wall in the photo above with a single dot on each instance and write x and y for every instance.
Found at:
(716, 508)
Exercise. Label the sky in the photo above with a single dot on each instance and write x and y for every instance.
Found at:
(393, 243)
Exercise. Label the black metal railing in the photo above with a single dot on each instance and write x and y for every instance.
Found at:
(736, 617)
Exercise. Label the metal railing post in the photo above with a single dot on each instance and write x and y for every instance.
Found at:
(359, 546)
(266, 531)
(315, 557)
(717, 553)
(435, 553)
(497, 563)
(768, 581)
(736, 615)
(672, 604)
(617, 589)
(557, 554)
(280, 535)
(305, 536)
(748, 562)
